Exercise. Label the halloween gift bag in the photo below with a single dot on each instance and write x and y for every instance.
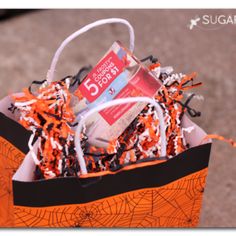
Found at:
(112, 148)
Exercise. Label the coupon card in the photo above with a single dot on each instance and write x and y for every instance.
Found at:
(119, 74)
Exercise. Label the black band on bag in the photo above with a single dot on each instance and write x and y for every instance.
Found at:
(72, 190)
(14, 133)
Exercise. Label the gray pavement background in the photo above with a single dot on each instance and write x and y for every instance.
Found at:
(27, 44)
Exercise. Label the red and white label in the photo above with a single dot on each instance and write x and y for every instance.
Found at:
(101, 76)
(142, 84)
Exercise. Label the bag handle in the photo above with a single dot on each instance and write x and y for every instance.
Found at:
(51, 72)
(83, 118)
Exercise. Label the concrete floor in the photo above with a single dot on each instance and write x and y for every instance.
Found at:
(27, 44)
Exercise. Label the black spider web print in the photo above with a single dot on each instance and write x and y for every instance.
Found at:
(10, 159)
(177, 204)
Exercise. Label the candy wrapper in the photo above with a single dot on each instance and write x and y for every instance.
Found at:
(111, 146)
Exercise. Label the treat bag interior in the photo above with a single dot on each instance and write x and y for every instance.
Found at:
(25, 172)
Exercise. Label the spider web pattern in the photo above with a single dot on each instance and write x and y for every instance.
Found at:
(176, 204)
(10, 159)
